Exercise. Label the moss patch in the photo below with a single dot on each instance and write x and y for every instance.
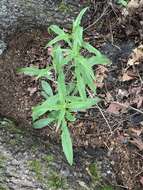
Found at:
(3, 187)
(3, 160)
(46, 175)
(10, 126)
(36, 167)
(94, 172)
(64, 7)
(48, 159)
(56, 181)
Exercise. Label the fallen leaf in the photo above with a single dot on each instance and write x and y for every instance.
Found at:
(128, 75)
(138, 101)
(136, 56)
(109, 97)
(134, 6)
(101, 74)
(138, 143)
(115, 108)
(136, 132)
(141, 180)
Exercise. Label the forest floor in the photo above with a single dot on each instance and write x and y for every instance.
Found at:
(111, 134)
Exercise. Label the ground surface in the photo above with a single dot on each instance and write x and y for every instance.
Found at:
(110, 135)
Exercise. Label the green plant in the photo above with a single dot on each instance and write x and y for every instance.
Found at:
(94, 172)
(68, 98)
(122, 2)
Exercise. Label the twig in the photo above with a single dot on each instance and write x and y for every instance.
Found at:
(104, 12)
(101, 113)
(128, 107)
(105, 119)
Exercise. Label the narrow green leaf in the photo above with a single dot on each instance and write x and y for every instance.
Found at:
(44, 95)
(77, 36)
(32, 71)
(67, 143)
(49, 105)
(79, 17)
(61, 87)
(58, 59)
(54, 114)
(62, 35)
(88, 80)
(70, 88)
(91, 49)
(46, 88)
(70, 117)
(55, 40)
(82, 105)
(80, 83)
(57, 30)
(35, 71)
(73, 98)
(60, 117)
(87, 72)
(98, 60)
(42, 123)
(84, 65)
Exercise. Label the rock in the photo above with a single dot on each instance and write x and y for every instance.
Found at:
(20, 15)
(48, 169)
(2, 46)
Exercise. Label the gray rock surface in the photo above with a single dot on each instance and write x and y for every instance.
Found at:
(27, 162)
(25, 14)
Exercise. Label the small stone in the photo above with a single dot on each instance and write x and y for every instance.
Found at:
(15, 162)
(2, 47)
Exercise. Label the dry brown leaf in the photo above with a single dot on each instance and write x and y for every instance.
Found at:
(136, 56)
(133, 5)
(137, 132)
(138, 143)
(109, 97)
(138, 101)
(127, 77)
(101, 74)
(115, 108)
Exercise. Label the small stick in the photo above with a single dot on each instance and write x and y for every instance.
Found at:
(129, 107)
(104, 13)
(105, 119)
(101, 113)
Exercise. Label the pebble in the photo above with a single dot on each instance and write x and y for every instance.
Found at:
(3, 47)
